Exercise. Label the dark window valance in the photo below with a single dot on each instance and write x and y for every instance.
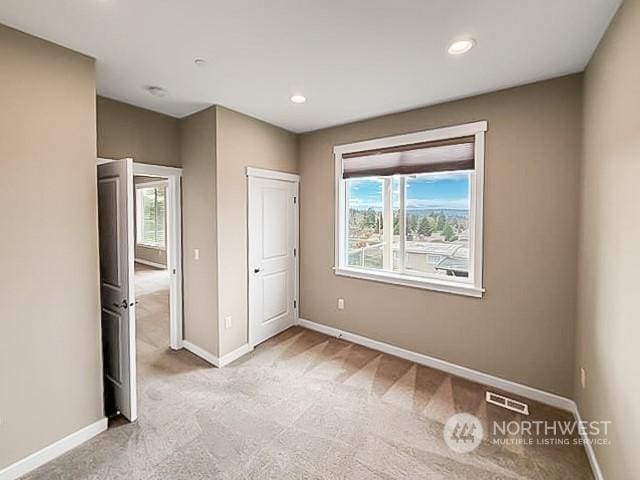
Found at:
(435, 156)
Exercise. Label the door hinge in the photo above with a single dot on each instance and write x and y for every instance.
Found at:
(295, 252)
(295, 304)
(295, 199)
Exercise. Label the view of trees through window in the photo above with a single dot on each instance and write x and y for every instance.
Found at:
(436, 223)
(152, 202)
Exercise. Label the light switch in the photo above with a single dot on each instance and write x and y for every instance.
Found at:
(196, 254)
(341, 304)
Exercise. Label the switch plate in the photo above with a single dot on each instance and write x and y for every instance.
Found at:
(227, 322)
(196, 254)
(341, 304)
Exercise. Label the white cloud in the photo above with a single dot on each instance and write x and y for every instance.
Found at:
(438, 177)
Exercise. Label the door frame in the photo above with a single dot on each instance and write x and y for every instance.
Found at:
(174, 241)
(253, 172)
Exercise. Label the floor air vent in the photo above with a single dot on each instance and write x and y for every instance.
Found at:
(507, 403)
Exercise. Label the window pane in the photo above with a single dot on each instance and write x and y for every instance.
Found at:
(153, 216)
(160, 216)
(397, 214)
(437, 217)
(364, 225)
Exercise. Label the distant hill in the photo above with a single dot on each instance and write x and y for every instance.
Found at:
(423, 212)
(449, 212)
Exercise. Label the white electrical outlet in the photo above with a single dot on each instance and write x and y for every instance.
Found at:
(341, 304)
(227, 322)
(196, 254)
(583, 378)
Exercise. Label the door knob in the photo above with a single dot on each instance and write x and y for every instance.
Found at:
(256, 270)
(124, 304)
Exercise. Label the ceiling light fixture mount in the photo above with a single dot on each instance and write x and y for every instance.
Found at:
(156, 91)
(460, 47)
(298, 98)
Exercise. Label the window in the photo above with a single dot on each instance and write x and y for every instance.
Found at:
(409, 209)
(150, 218)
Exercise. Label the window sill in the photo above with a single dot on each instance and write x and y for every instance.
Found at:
(415, 282)
(155, 247)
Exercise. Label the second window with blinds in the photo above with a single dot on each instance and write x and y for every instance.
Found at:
(151, 215)
(409, 209)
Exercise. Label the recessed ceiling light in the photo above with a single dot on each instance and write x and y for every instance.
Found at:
(156, 91)
(201, 62)
(461, 46)
(298, 98)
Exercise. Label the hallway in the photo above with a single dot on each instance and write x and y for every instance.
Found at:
(152, 311)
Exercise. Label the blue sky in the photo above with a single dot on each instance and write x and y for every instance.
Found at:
(447, 190)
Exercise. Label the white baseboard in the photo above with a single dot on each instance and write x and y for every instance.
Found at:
(214, 359)
(236, 354)
(588, 448)
(464, 372)
(48, 453)
(201, 352)
(525, 391)
(151, 264)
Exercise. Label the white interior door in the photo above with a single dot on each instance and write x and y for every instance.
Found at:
(273, 238)
(117, 294)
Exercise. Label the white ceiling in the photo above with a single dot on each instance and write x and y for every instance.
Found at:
(352, 59)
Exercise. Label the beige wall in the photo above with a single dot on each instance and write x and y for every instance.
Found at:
(242, 142)
(128, 131)
(50, 361)
(523, 329)
(199, 229)
(151, 254)
(609, 318)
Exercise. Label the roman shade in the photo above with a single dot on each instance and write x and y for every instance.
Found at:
(435, 156)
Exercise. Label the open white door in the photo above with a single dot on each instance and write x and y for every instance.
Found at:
(273, 244)
(117, 294)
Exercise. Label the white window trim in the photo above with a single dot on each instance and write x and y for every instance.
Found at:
(475, 287)
(139, 186)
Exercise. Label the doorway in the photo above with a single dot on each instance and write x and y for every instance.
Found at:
(273, 252)
(140, 273)
(151, 275)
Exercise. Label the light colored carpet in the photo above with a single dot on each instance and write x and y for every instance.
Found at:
(301, 406)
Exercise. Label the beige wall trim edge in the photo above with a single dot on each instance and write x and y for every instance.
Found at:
(214, 359)
(273, 174)
(48, 453)
(541, 396)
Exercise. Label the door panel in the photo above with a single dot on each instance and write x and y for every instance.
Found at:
(275, 218)
(115, 226)
(276, 293)
(111, 332)
(109, 230)
(272, 261)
